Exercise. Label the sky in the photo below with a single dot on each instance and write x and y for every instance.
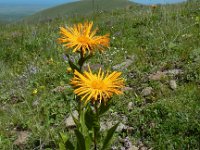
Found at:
(157, 1)
(36, 2)
(56, 2)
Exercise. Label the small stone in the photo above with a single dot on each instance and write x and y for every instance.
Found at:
(127, 89)
(173, 72)
(143, 148)
(133, 147)
(22, 138)
(173, 84)
(157, 76)
(121, 127)
(60, 89)
(105, 125)
(69, 122)
(130, 106)
(146, 91)
(130, 129)
(123, 65)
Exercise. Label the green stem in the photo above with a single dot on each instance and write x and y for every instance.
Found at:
(95, 131)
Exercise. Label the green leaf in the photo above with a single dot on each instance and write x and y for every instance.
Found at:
(80, 140)
(71, 64)
(65, 143)
(104, 108)
(64, 137)
(89, 118)
(88, 142)
(62, 146)
(69, 145)
(109, 136)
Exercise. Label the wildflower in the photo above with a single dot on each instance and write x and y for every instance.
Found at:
(69, 70)
(97, 87)
(82, 39)
(35, 91)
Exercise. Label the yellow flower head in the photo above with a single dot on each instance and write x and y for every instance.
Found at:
(97, 87)
(35, 91)
(82, 39)
(69, 70)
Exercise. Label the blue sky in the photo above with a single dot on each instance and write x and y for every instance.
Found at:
(157, 1)
(42, 2)
(55, 2)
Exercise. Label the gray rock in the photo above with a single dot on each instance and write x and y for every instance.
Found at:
(105, 125)
(146, 91)
(157, 76)
(133, 147)
(172, 84)
(127, 89)
(123, 65)
(173, 72)
(121, 127)
(130, 106)
(22, 138)
(69, 121)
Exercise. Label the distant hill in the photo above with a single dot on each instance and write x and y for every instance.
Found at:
(81, 7)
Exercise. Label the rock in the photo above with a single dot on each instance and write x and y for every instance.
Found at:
(127, 144)
(123, 65)
(60, 89)
(130, 106)
(105, 125)
(121, 127)
(133, 147)
(22, 138)
(69, 121)
(157, 76)
(173, 72)
(146, 91)
(143, 148)
(126, 88)
(172, 84)
(94, 67)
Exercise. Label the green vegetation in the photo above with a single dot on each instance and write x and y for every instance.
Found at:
(83, 7)
(163, 44)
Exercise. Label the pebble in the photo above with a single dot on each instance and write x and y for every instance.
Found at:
(130, 106)
(146, 91)
(69, 121)
(173, 84)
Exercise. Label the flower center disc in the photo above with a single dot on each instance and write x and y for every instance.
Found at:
(97, 84)
(83, 40)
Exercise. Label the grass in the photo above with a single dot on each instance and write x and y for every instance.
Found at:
(160, 40)
(82, 7)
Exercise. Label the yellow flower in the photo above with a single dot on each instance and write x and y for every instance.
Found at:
(82, 39)
(97, 87)
(35, 91)
(69, 70)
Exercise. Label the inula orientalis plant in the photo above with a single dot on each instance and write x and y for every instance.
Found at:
(93, 92)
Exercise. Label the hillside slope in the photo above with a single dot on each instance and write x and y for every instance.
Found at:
(81, 7)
